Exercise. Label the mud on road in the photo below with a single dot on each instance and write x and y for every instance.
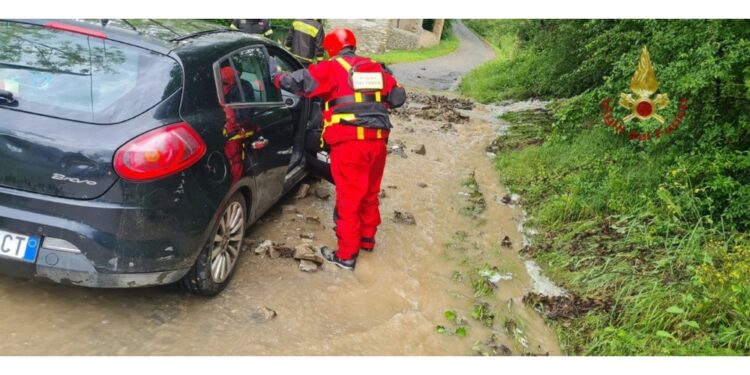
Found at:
(422, 278)
(445, 278)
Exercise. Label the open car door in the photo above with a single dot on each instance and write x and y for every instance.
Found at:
(317, 159)
(314, 158)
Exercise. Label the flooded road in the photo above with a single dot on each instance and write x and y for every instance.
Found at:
(415, 295)
(391, 304)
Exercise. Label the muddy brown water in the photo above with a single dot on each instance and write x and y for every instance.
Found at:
(390, 305)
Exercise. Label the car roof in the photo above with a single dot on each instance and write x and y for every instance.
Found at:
(161, 35)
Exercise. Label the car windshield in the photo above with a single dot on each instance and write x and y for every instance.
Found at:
(79, 77)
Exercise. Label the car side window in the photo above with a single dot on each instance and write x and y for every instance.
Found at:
(252, 78)
(283, 65)
(280, 63)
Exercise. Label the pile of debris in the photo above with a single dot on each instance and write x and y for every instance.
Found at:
(398, 147)
(321, 191)
(308, 255)
(565, 307)
(436, 108)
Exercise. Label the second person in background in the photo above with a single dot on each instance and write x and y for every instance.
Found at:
(253, 26)
(305, 40)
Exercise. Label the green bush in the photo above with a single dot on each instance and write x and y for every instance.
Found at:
(672, 256)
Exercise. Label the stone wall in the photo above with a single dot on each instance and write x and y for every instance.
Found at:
(402, 39)
(375, 36)
(427, 39)
(372, 35)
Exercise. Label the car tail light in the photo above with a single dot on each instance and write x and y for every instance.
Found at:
(160, 152)
(76, 29)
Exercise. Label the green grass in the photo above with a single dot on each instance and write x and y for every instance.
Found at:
(486, 83)
(654, 231)
(618, 223)
(445, 47)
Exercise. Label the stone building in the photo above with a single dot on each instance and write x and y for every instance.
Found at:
(379, 35)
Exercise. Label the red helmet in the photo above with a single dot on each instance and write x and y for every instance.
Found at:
(227, 79)
(338, 39)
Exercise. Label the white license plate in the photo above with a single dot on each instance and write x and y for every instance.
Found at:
(18, 246)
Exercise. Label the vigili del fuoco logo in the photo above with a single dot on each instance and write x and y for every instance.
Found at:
(643, 107)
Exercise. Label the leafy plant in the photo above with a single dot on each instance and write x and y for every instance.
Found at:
(658, 228)
(483, 313)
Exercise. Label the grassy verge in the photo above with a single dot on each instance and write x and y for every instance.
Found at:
(485, 83)
(445, 47)
(650, 237)
(619, 223)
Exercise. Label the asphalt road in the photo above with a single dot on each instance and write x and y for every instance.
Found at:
(444, 73)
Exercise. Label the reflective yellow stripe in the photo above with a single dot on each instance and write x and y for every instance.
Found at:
(380, 133)
(305, 28)
(244, 135)
(377, 96)
(358, 97)
(344, 63)
(360, 133)
(335, 119)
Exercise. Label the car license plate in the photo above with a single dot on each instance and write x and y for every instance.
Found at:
(18, 246)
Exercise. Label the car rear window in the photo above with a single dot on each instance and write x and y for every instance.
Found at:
(82, 78)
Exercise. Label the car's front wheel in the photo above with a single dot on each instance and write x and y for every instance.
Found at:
(215, 265)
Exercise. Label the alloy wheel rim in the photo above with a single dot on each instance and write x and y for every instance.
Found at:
(227, 241)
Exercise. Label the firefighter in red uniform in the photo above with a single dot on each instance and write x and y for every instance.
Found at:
(358, 94)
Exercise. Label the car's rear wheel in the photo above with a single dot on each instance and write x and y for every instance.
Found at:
(215, 265)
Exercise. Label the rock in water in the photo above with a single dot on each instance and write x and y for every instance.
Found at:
(404, 218)
(307, 252)
(303, 191)
(421, 150)
(322, 193)
(307, 266)
(264, 247)
(506, 242)
(398, 148)
(263, 314)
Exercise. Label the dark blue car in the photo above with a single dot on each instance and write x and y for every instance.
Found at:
(136, 152)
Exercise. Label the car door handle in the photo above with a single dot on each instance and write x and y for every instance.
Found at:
(259, 144)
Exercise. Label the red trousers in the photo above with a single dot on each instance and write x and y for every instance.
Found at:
(357, 168)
